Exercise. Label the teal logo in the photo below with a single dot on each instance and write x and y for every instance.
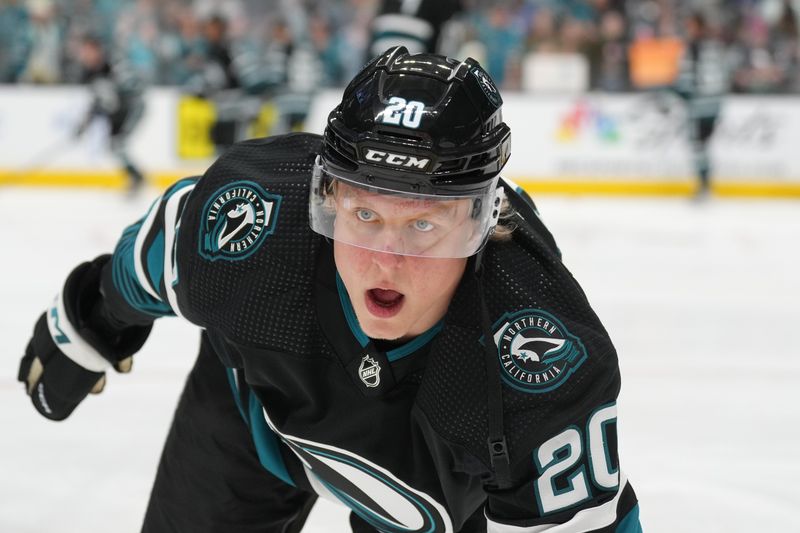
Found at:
(537, 354)
(61, 337)
(236, 220)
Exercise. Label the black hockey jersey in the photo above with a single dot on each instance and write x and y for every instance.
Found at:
(396, 433)
(703, 79)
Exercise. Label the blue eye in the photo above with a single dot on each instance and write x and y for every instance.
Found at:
(365, 215)
(423, 225)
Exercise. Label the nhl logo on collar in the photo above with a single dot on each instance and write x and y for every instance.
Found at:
(370, 372)
(235, 221)
(537, 354)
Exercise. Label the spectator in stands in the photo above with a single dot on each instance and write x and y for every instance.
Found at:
(14, 40)
(786, 46)
(503, 37)
(608, 55)
(172, 41)
(755, 64)
(543, 36)
(44, 56)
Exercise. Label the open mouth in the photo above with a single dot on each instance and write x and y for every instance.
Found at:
(384, 303)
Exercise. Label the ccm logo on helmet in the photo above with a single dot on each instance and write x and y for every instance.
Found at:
(396, 160)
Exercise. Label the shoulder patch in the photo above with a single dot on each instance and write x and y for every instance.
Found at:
(236, 220)
(537, 354)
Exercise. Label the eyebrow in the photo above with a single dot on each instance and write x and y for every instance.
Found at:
(431, 207)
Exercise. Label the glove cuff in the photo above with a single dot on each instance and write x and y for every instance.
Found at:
(67, 339)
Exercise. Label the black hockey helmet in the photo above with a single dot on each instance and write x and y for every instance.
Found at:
(420, 125)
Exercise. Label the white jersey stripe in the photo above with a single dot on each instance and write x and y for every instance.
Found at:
(386, 504)
(586, 520)
(171, 224)
(69, 341)
(138, 259)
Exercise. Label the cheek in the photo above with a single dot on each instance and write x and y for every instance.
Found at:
(435, 277)
(350, 261)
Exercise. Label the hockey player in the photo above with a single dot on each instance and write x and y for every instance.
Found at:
(386, 323)
(702, 83)
(117, 95)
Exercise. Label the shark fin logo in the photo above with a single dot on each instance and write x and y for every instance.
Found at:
(236, 219)
(537, 353)
(375, 494)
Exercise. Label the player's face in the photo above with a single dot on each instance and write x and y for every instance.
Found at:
(396, 296)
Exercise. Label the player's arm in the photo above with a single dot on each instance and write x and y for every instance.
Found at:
(104, 311)
(571, 480)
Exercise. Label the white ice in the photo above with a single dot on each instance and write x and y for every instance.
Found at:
(702, 301)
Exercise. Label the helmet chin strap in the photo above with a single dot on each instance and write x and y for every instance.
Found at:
(498, 447)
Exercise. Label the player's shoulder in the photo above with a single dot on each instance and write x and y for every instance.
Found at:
(269, 158)
(244, 236)
(260, 179)
(555, 359)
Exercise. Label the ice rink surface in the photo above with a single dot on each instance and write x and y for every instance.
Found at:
(701, 300)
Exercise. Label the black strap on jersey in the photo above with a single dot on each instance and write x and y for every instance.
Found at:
(498, 448)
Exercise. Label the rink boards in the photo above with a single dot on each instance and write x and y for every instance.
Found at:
(583, 144)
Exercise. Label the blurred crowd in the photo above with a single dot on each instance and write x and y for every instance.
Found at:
(262, 45)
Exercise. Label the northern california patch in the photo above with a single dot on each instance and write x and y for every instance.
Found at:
(537, 354)
(236, 220)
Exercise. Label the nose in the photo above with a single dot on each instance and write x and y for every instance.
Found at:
(387, 260)
(388, 244)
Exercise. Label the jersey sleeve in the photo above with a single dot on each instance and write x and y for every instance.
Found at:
(571, 480)
(139, 283)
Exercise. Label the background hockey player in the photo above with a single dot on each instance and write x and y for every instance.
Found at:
(118, 96)
(386, 323)
(702, 83)
(415, 24)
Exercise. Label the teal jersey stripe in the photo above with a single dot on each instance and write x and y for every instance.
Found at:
(349, 314)
(267, 443)
(125, 280)
(155, 261)
(265, 440)
(630, 524)
(178, 185)
(124, 272)
(415, 344)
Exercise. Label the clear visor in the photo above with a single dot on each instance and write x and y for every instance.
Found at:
(401, 223)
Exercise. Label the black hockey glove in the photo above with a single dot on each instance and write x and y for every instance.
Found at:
(74, 344)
